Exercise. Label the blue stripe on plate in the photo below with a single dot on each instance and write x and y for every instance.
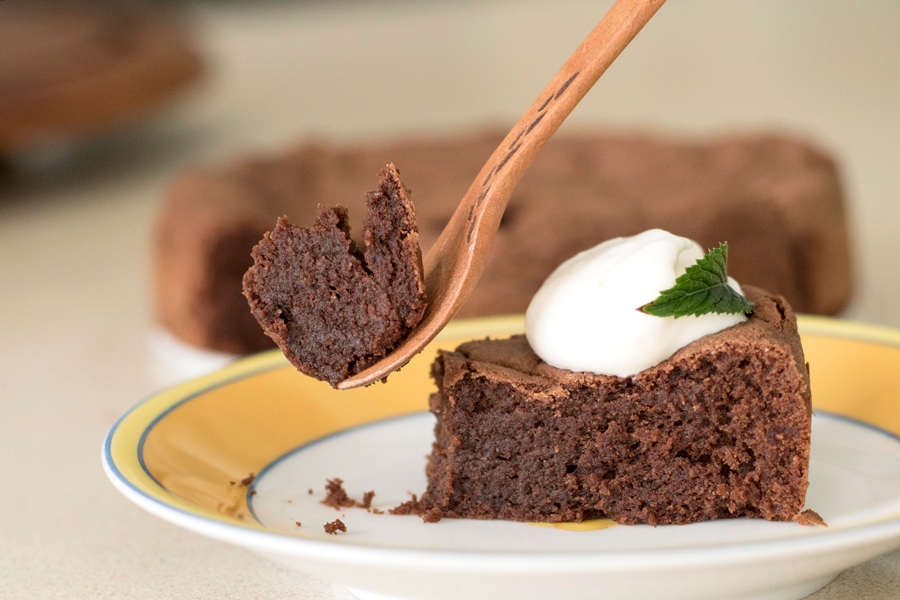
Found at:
(311, 443)
(107, 445)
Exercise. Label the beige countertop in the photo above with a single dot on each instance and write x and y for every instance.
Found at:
(76, 221)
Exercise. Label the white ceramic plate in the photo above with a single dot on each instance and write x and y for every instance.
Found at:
(177, 453)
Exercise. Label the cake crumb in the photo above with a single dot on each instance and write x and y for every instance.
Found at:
(410, 507)
(252, 492)
(418, 507)
(311, 491)
(810, 517)
(246, 481)
(367, 500)
(335, 526)
(377, 511)
(298, 523)
(432, 515)
(336, 496)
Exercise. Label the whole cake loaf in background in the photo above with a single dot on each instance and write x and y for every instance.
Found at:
(776, 200)
(73, 68)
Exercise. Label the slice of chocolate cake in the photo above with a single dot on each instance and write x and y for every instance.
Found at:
(331, 308)
(720, 429)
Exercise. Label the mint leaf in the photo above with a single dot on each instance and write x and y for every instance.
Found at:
(701, 290)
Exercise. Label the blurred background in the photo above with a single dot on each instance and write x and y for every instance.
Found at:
(104, 104)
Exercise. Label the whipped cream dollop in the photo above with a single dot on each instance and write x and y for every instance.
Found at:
(585, 317)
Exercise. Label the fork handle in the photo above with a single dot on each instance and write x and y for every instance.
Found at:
(454, 264)
(477, 218)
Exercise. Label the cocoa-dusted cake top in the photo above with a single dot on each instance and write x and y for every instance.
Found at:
(772, 327)
(333, 309)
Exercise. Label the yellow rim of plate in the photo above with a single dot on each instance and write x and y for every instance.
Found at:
(125, 449)
(130, 459)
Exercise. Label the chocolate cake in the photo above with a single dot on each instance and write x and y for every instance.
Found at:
(333, 309)
(777, 201)
(720, 429)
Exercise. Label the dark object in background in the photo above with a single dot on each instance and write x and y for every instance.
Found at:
(777, 201)
(721, 429)
(73, 67)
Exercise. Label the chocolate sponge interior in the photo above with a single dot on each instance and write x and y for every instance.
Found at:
(333, 309)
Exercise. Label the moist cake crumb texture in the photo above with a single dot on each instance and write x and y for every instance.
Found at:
(332, 308)
(721, 429)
